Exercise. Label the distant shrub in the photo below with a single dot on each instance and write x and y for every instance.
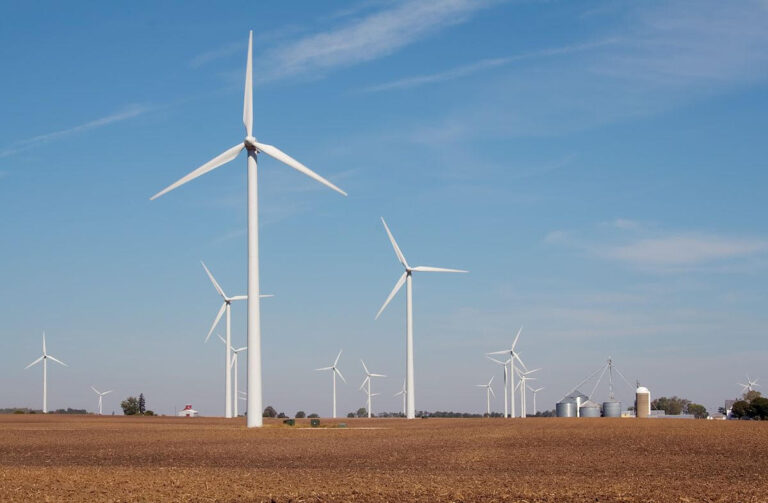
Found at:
(313, 415)
(18, 412)
(301, 414)
(149, 413)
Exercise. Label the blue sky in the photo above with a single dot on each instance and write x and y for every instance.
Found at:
(599, 167)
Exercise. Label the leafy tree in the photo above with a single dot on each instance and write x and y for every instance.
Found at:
(149, 413)
(362, 412)
(740, 408)
(130, 406)
(759, 408)
(751, 395)
(142, 404)
(722, 410)
(269, 412)
(351, 414)
(301, 414)
(282, 415)
(673, 406)
(313, 415)
(698, 411)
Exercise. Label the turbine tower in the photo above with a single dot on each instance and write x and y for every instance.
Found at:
(233, 368)
(512, 357)
(335, 370)
(44, 358)
(101, 395)
(503, 366)
(406, 278)
(367, 380)
(404, 393)
(488, 393)
(522, 385)
(253, 147)
(534, 391)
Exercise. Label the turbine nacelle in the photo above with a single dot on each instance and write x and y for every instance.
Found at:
(250, 144)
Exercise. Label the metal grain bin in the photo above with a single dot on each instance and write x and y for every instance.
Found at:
(612, 409)
(565, 408)
(589, 409)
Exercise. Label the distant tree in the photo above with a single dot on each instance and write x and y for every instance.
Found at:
(758, 408)
(270, 412)
(740, 408)
(362, 412)
(130, 406)
(142, 404)
(698, 411)
(313, 415)
(673, 406)
(722, 410)
(351, 414)
(751, 395)
(149, 413)
(301, 414)
(282, 415)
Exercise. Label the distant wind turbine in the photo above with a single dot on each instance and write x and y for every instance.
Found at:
(503, 366)
(101, 395)
(233, 368)
(406, 278)
(534, 391)
(488, 393)
(750, 386)
(44, 358)
(335, 370)
(512, 357)
(522, 385)
(367, 380)
(404, 393)
(253, 147)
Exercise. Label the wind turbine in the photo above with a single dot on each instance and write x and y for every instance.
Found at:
(254, 148)
(403, 392)
(101, 395)
(233, 368)
(522, 385)
(512, 357)
(367, 380)
(488, 393)
(536, 390)
(750, 386)
(406, 278)
(504, 366)
(335, 370)
(44, 358)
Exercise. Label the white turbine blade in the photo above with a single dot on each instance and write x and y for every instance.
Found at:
(399, 393)
(426, 268)
(263, 296)
(489, 382)
(336, 361)
(281, 156)
(213, 280)
(43, 342)
(492, 393)
(375, 394)
(216, 321)
(248, 100)
(107, 392)
(364, 367)
(377, 375)
(494, 360)
(521, 361)
(517, 386)
(240, 349)
(481, 385)
(531, 371)
(214, 163)
(503, 352)
(34, 362)
(365, 381)
(339, 372)
(394, 291)
(514, 343)
(398, 252)
(95, 390)
(325, 368)
(232, 361)
(57, 361)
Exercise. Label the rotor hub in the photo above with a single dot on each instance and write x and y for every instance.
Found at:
(250, 143)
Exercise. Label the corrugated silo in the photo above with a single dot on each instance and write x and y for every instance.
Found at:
(642, 402)
(589, 409)
(565, 408)
(612, 409)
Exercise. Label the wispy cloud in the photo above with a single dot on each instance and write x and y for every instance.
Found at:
(128, 112)
(486, 64)
(650, 248)
(376, 35)
(214, 54)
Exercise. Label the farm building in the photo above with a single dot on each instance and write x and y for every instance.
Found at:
(188, 411)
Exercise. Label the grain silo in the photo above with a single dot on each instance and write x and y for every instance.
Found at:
(589, 409)
(612, 409)
(642, 402)
(566, 408)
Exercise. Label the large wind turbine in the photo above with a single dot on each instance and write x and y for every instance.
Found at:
(233, 368)
(101, 395)
(44, 358)
(503, 366)
(335, 370)
(254, 148)
(406, 278)
(512, 357)
(367, 380)
(488, 393)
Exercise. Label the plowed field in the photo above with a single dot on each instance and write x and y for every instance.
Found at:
(79, 458)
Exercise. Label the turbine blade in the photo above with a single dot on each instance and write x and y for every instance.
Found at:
(43, 342)
(107, 392)
(426, 268)
(214, 163)
(213, 280)
(521, 361)
(57, 361)
(241, 297)
(281, 156)
(34, 362)
(364, 382)
(264, 296)
(216, 321)
(336, 361)
(492, 393)
(503, 352)
(398, 252)
(221, 339)
(339, 372)
(248, 100)
(95, 390)
(394, 291)
(364, 367)
(377, 375)
(325, 368)
(514, 343)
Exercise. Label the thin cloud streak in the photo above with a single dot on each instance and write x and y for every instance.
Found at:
(128, 112)
(485, 64)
